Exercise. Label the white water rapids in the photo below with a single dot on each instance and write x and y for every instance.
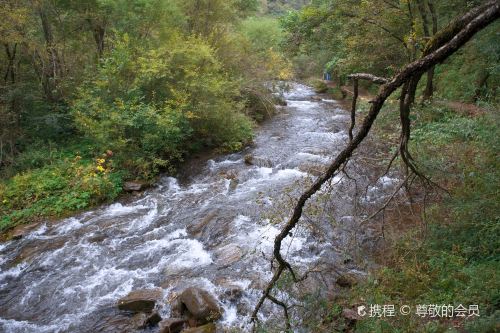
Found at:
(212, 230)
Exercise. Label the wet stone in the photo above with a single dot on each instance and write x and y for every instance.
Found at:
(153, 319)
(200, 304)
(172, 325)
(21, 230)
(30, 251)
(228, 255)
(232, 290)
(140, 300)
(233, 183)
(97, 238)
(233, 294)
(139, 320)
(257, 160)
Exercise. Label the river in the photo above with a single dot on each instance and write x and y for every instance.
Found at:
(213, 229)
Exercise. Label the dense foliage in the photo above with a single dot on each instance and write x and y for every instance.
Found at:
(140, 84)
(341, 37)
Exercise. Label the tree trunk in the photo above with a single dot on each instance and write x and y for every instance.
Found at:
(51, 69)
(429, 89)
(99, 33)
(429, 86)
(10, 72)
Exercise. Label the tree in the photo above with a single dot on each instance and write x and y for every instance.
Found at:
(444, 43)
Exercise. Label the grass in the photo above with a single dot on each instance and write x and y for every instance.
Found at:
(457, 260)
(50, 183)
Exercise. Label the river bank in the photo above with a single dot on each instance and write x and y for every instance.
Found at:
(179, 234)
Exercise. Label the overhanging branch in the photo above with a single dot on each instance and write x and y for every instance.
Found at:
(471, 23)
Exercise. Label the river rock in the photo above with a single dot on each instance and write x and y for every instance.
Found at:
(21, 230)
(258, 161)
(153, 319)
(234, 293)
(314, 169)
(228, 255)
(200, 305)
(233, 183)
(172, 325)
(98, 237)
(143, 300)
(208, 328)
(248, 159)
(143, 320)
(35, 248)
(198, 226)
(132, 186)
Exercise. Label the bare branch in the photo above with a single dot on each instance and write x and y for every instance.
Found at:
(479, 21)
(368, 77)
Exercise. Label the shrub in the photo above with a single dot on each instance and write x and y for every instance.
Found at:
(152, 106)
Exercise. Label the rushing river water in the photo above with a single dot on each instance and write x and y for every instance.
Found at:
(211, 230)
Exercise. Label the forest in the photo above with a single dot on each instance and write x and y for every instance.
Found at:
(152, 133)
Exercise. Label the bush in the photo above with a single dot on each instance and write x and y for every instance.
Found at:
(320, 86)
(152, 106)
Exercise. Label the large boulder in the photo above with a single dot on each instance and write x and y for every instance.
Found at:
(172, 325)
(208, 328)
(199, 305)
(142, 300)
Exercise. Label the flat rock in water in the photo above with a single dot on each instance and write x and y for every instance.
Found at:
(172, 325)
(228, 255)
(21, 230)
(208, 328)
(143, 300)
(200, 304)
(36, 248)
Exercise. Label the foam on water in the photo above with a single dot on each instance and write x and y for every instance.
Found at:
(87, 262)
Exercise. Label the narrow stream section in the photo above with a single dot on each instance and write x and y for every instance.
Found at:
(213, 230)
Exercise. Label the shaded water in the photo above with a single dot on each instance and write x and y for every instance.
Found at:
(212, 230)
